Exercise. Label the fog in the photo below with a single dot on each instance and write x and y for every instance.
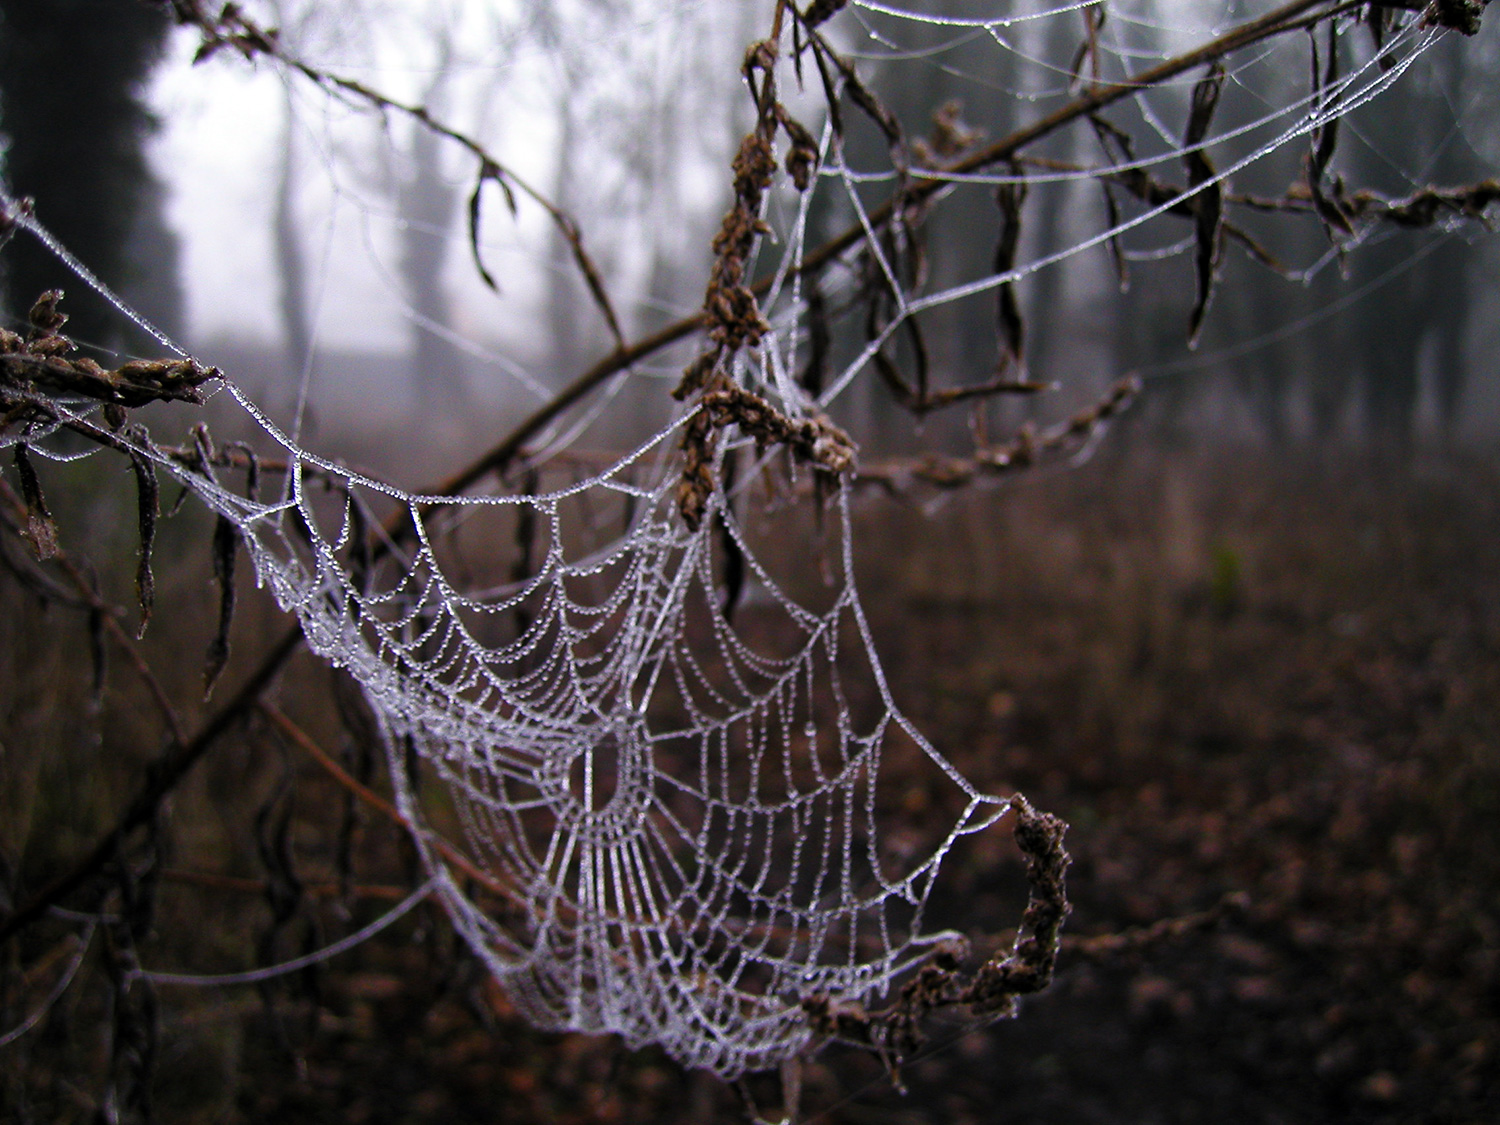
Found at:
(596, 107)
(322, 248)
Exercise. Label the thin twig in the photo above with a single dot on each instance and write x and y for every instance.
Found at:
(303, 741)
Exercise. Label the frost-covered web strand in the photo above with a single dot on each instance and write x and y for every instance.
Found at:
(54, 994)
(908, 306)
(297, 964)
(26, 221)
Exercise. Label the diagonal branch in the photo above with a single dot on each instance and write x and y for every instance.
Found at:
(1286, 18)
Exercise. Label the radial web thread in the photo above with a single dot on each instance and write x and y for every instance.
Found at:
(685, 825)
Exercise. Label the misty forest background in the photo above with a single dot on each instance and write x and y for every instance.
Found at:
(1248, 647)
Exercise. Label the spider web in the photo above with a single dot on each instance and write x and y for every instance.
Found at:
(681, 819)
(685, 827)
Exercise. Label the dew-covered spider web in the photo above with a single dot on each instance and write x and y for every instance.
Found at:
(677, 832)
(648, 814)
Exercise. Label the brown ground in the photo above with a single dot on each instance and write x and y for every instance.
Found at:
(1229, 675)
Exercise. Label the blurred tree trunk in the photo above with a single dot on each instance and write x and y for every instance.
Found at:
(291, 262)
(1403, 150)
(427, 208)
(568, 336)
(75, 129)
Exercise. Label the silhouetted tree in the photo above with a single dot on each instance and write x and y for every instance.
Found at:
(75, 127)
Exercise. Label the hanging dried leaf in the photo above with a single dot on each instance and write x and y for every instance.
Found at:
(1116, 248)
(591, 276)
(734, 556)
(1208, 204)
(1117, 150)
(1012, 329)
(41, 530)
(488, 171)
(252, 469)
(203, 446)
(1330, 209)
(218, 649)
(874, 109)
(802, 158)
(830, 89)
(1325, 136)
(148, 507)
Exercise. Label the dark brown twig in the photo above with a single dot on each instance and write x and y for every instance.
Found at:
(996, 986)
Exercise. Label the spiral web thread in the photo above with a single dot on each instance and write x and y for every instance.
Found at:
(685, 825)
(685, 816)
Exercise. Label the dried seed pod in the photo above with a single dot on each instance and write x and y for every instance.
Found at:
(50, 346)
(45, 318)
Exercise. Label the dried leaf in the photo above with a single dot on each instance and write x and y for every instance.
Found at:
(830, 90)
(487, 171)
(1324, 137)
(919, 355)
(252, 469)
(148, 507)
(45, 318)
(819, 339)
(41, 530)
(734, 555)
(203, 444)
(862, 96)
(1208, 204)
(1330, 210)
(802, 158)
(218, 650)
(591, 276)
(1116, 247)
(1010, 198)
